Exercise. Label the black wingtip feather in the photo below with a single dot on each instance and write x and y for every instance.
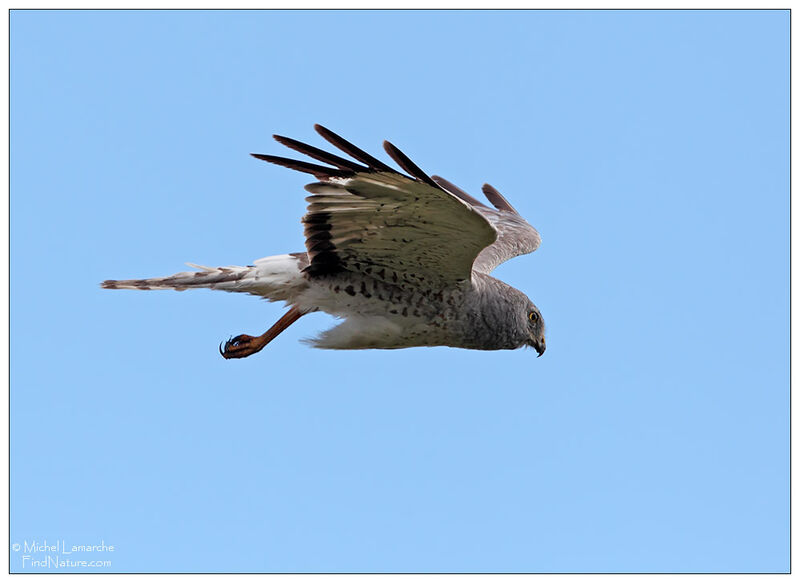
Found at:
(320, 155)
(320, 172)
(497, 199)
(352, 150)
(406, 164)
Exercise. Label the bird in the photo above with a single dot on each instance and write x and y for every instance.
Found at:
(403, 259)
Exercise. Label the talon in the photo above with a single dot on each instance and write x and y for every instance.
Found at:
(226, 346)
(238, 347)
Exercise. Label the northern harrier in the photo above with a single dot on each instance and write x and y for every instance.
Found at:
(405, 260)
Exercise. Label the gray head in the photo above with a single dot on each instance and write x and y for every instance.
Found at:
(519, 322)
(527, 322)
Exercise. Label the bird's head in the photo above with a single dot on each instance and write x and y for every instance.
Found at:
(535, 329)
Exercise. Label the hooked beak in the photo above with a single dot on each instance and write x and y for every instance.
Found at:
(538, 345)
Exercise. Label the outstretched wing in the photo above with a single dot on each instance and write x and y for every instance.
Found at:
(514, 235)
(369, 219)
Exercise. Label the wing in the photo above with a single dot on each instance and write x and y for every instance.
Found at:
(367, 218)
(514, 235)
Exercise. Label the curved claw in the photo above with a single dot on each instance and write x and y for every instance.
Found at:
(239, 347)
(224, 347)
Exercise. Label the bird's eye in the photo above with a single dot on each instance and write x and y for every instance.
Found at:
(533, 316)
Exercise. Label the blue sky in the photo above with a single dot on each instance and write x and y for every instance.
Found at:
(649, 148)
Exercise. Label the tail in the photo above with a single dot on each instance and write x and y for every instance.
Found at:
(277, 278)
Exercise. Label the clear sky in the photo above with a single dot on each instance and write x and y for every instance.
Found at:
(649, 148)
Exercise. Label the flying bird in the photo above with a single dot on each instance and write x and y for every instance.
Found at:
(403, 259)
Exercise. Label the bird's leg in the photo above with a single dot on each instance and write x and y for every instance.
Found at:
(243, 345)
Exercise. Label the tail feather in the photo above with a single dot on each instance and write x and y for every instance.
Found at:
(276, 278)
(211, 277)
